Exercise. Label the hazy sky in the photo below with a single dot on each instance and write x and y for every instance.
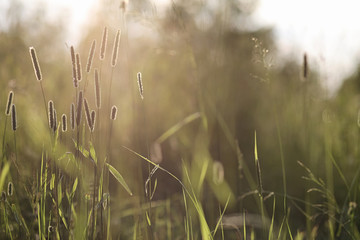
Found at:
(328, 30)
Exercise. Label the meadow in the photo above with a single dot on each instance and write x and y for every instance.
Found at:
(181, 132)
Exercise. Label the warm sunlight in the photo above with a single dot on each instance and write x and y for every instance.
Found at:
(327, 30)
(199, 119)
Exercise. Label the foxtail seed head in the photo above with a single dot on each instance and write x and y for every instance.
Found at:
(305, 67)
(51, 113)
(113, 112)
(91, 56)
(103, 43)
(73, 64)
(78, 67)
(115, 49)
(64, 123)
(13, 117)
(141, 89)
(35, 63)
(93, 120)
(10, 190)
(9, 102)
(55, 121)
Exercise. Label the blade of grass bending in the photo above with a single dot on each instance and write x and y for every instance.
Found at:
(272, 222)
(221, 216)
(178, 126)
(3, 175)
(258, 169)
(118, 177)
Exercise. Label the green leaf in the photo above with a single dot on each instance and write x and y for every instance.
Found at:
(93, 153)
(3, 175)
(118, 177)
(52, 181)
(74, 188)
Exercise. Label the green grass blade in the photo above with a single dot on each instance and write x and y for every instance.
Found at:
(177, 127)
(120, 178)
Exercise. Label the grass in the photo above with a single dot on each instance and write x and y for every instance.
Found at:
(173, 164)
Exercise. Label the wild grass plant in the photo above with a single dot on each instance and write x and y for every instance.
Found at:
(167, 156)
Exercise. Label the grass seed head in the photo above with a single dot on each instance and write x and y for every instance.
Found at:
(13, 117)
(9, 103)
(113, 112)
(35, 62)
(141, 89)
(64, 122)
(55, 121)
(115, 49)
(103, 44)
(93, 120)
(10, 190)
(78, 67)
(73, 64)
(305, 67)
(91, 56)
(51, 113)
